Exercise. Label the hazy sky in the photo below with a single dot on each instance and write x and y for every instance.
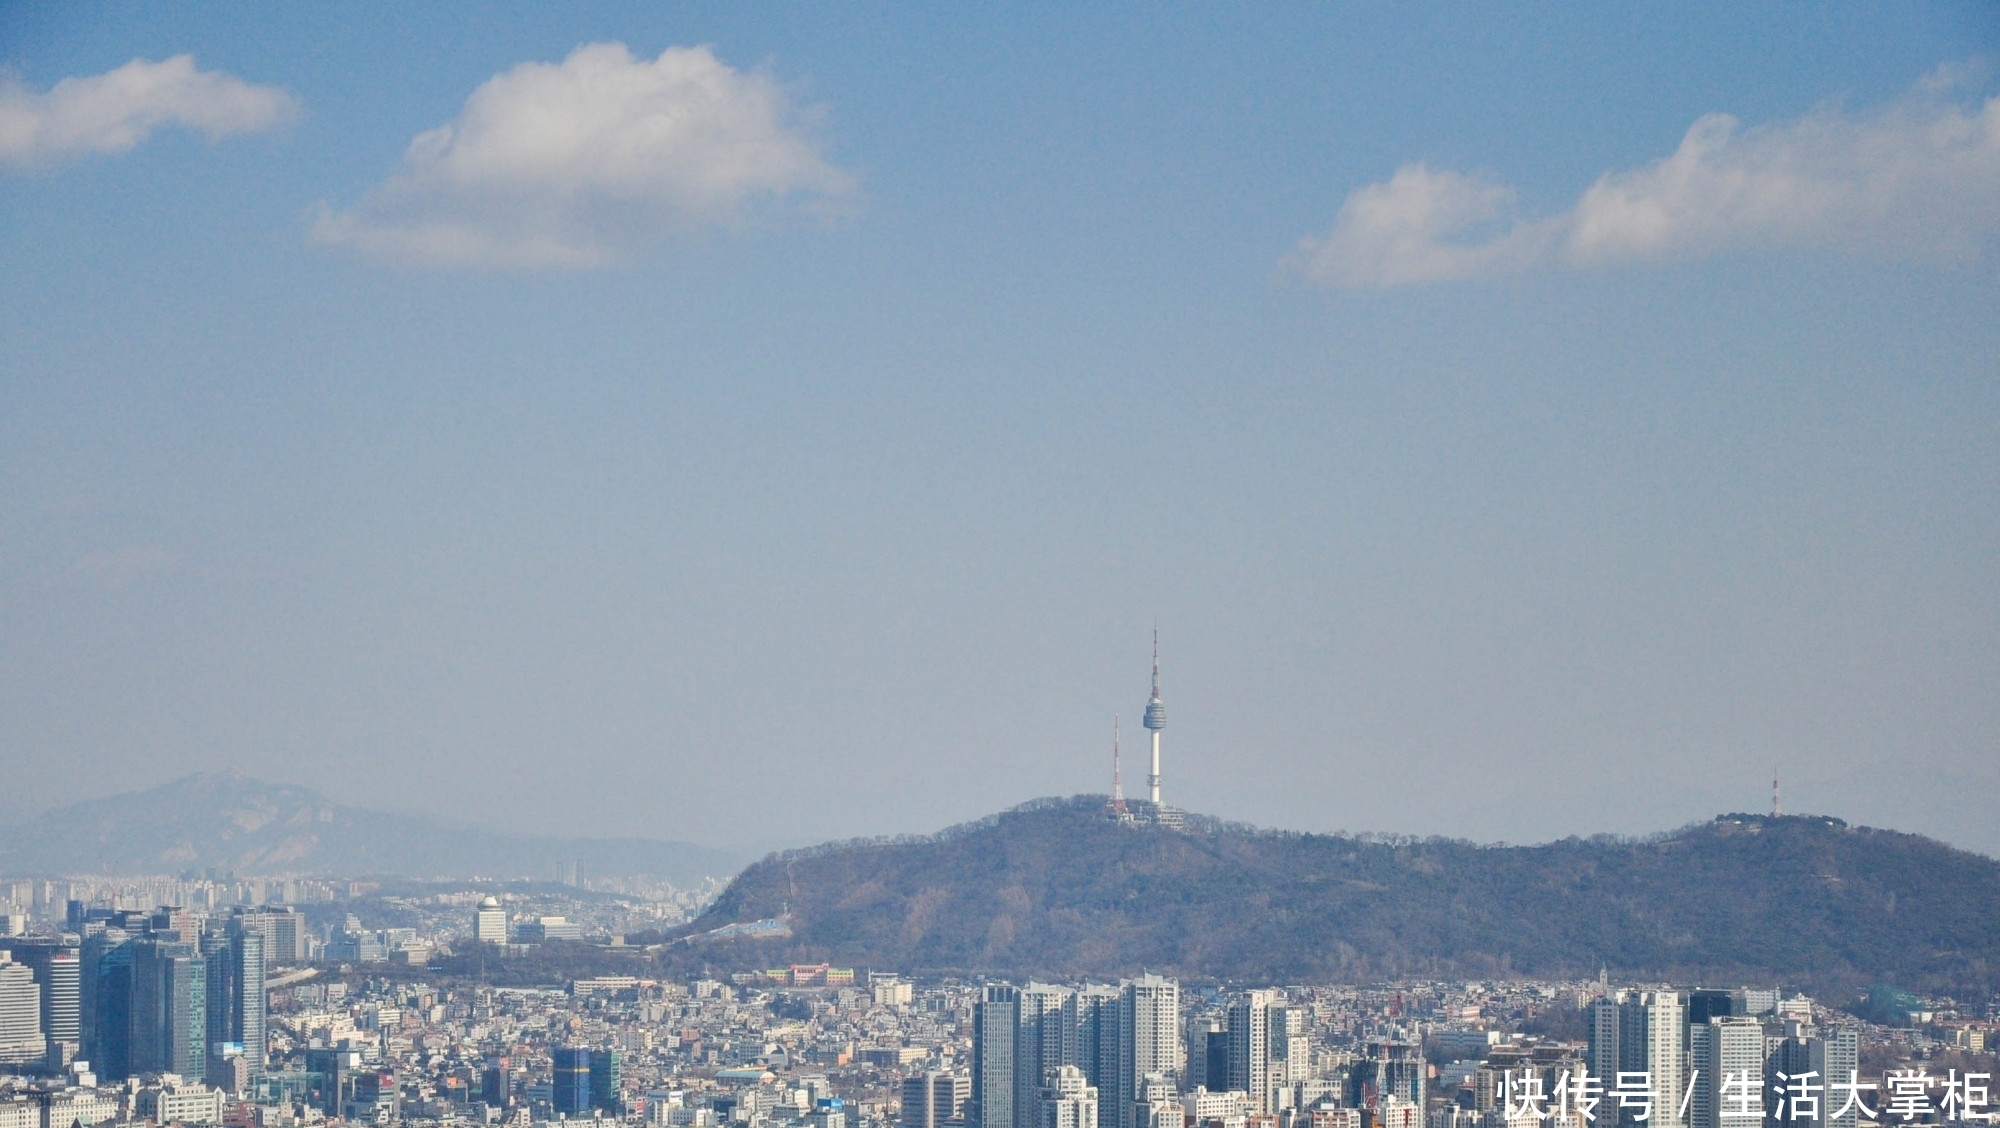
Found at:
(770, 423)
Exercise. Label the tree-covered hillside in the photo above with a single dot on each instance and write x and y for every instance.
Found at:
(1054, 888)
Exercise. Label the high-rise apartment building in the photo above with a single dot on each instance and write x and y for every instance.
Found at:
(995, 1019)
(1149, 1042)
(1067, 1101)
(1835, 1055)
(1097, 1035)
(1652, 1039)
(57, 971)
(1250, 1046)
(1291, 1044)
(21, 1039)
(1045, 1040)
(1602, 1025)
(1726, 1073)
(1198, 1072)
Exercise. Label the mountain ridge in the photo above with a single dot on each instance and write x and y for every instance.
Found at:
(254, 828)
(1055, 888)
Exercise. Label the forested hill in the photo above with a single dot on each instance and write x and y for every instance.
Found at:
(1053, 888)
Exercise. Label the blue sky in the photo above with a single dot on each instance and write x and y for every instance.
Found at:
(773, 424)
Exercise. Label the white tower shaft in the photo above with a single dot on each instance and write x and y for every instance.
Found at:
(1156, 719)
(1153, 781)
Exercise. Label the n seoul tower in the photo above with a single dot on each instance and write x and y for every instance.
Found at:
(1156, 719)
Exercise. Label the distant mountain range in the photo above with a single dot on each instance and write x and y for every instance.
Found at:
(1054, 888)
(227, 821)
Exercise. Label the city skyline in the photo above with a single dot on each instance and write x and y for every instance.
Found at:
(1517, 423)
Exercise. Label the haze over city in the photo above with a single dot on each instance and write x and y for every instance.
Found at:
(1517, 423)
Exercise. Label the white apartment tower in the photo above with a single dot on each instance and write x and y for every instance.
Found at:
(1149, 1042)
(1068, 1100)
(20, 1013)
(1250, 1046)
(1045, 1041)
(1651, 1039)
(1726, 1068)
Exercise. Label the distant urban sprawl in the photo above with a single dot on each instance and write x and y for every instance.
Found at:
(273, 1003)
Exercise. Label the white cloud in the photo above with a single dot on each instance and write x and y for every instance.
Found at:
(114, 111)
(569, 164)
(1918, 180)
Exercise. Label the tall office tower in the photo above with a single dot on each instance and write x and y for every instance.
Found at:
(1725, 1059)
(607, 1070)
(21, 1038)
(572, 1080)
(1045, 1040)
(336, 1069)
(236, 995)
(949, 1094)
(1250, 1046)
(916, 1109)
(1652, 1038)
(220, 989)
(169, 1010)
(62, 1010)
(1601, 1027)
(1835, 1055)
(995, 1019)
(1149, 1021)
(1068, 1100)
(496, 1083)
(489, 922)
(282, 928)
(1156, 721)
(1704, 1005)
(106, 1003)
(1218, 1058)
(1198, 1074)
(57, 971)
(1097, 1034)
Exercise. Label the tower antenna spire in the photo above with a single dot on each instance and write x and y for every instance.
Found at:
(1774, 793)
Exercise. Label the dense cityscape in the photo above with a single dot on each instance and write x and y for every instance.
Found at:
(592, 565)
(266, 1004)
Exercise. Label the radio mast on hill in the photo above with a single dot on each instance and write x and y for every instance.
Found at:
(1117, 782)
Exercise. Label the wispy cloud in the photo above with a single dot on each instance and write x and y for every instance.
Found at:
(1918, 179)
(114, 111)
(568, 164)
